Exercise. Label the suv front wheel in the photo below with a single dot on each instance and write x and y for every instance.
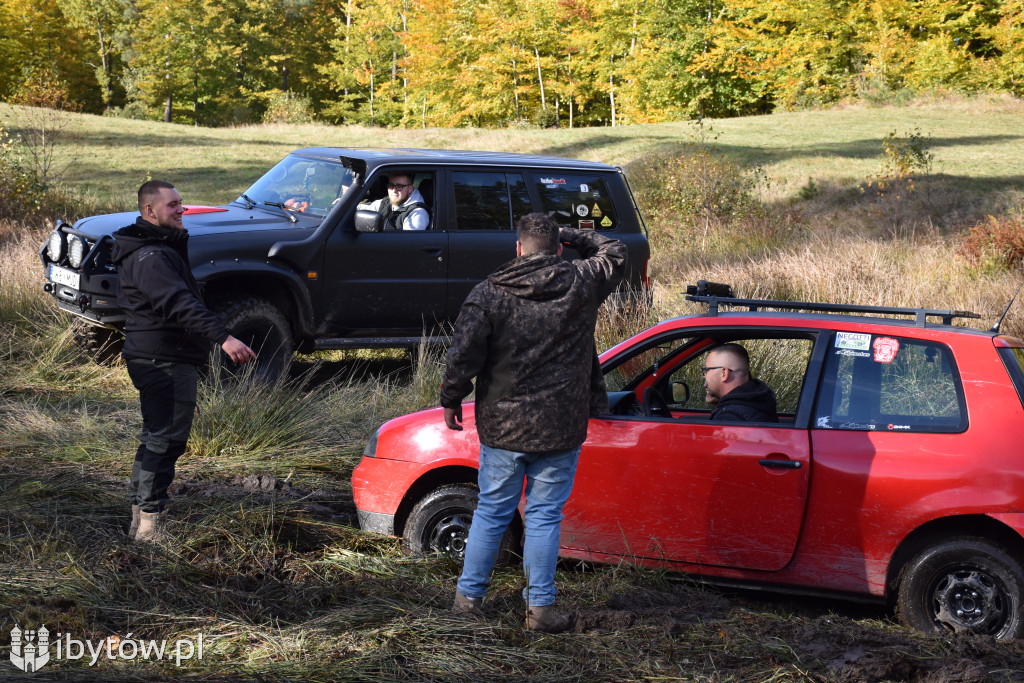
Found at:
(265, 329)
(964, 584)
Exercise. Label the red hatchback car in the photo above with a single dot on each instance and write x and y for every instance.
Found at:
(895, 472)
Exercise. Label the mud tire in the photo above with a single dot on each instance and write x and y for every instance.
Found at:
(439, 524)
(101, 345)
(965, 585)
(265, 329)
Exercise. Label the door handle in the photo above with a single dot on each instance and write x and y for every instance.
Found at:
(432, 249)
(781, 464)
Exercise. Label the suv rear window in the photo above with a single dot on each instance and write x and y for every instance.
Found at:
(489, 200)
(885, 383)
(576, 200)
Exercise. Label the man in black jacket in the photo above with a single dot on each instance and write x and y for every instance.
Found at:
(169, 332)
(733, 392)
(527, 335)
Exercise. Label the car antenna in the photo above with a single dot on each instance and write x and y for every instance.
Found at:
(995, 328)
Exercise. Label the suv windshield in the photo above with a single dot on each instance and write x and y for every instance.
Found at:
(300, 184)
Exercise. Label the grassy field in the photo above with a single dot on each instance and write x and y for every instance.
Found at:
(267, 562)
(978, 143)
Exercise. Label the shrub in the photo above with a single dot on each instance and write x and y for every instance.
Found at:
(17, 186)
(996, 244)
(286, 107)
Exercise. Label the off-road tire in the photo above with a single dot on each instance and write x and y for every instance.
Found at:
(439, 524)
(99, 344)
(965, 585)
(265, 329)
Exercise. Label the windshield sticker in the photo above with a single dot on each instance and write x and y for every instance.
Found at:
(854, 354)
(553, 181)
(823, 422)
(586, 225)
(893, 427)
(606, 222)
(584, 188)
(885, 349)
(866, 426)
(596, 211)
(582, 211)
(853, 340)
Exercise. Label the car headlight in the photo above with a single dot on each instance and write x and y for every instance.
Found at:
(76, 251)
(55, 246)
(370, 451)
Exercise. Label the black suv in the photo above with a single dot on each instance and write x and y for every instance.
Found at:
(299, 260)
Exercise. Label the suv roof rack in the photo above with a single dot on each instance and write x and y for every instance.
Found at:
(716, 294)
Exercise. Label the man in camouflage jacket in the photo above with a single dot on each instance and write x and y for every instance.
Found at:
(527, 335)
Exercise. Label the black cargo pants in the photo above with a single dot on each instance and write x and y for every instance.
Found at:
(167, 393)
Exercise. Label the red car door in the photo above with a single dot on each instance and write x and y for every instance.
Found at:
(690, 491)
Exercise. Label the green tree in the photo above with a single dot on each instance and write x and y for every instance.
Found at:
(105, 20)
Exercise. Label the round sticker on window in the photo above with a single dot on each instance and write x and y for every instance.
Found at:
(582, 211)
(885, 349)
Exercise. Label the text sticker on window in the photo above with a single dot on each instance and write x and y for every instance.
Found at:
(853, 340)
(885, 349)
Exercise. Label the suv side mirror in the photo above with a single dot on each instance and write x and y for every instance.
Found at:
(680, 392)
(368, 220)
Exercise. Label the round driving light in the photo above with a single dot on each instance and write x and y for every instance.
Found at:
(76, 251)
(55, 246)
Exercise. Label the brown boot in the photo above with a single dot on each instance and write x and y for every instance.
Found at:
(151, 527)
(134, 528)
(544, 619)
(467, 605)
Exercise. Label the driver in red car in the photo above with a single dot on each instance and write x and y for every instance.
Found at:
(734, 394)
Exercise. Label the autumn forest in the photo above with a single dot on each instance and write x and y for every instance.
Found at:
(448, 63)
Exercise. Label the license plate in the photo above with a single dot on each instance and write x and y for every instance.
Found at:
(63, 276)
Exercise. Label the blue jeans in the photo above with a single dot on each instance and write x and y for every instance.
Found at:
(549, 476)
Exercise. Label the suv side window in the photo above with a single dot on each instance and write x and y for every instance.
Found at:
(576, 200)
(885, 383)
(376, 194)
(489, 200)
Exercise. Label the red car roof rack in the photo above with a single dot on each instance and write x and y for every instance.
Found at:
(716, 294)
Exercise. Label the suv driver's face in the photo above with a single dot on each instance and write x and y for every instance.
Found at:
(166, 209)
(399, 189)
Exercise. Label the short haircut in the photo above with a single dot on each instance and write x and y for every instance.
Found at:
(538, 232)
(736, 352)
(404, 174)
(150, 190)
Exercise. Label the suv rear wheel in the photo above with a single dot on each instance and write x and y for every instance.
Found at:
(964, 585)
(264, 328)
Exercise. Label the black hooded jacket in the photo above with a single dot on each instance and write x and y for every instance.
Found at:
(166, 317)
(526, 334)
(752, 401)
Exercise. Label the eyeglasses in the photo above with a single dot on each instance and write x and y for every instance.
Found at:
(704, 370)
(398, 186)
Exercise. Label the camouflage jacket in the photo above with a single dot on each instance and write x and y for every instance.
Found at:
(526, 334)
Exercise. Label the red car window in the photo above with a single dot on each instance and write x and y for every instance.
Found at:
(888, 383)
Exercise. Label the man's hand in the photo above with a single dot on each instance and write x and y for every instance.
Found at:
(237, 351)
(453, 418)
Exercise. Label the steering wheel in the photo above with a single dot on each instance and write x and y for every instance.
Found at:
(655, 404)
